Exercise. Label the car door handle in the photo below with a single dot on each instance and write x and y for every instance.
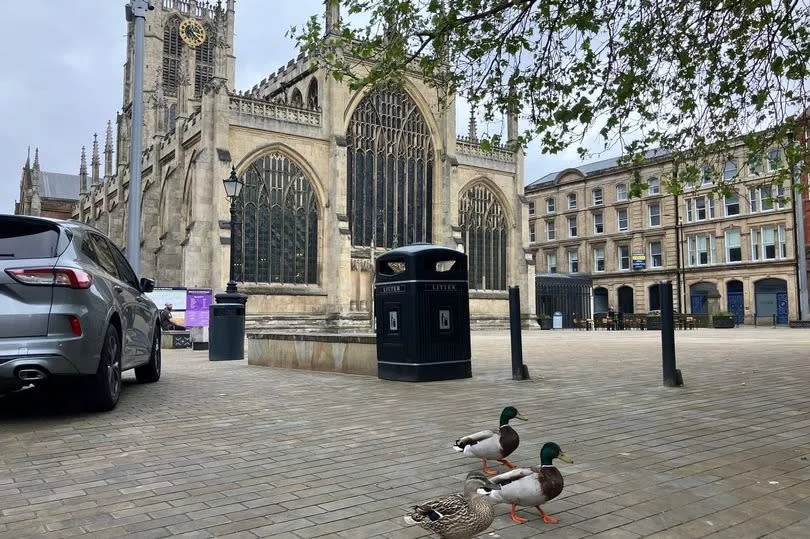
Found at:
(118, 289)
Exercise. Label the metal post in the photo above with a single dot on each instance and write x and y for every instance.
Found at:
(801, 266)
(519, 370)
(136, 11)
(672, 376)
(232, 295)
(231, 288)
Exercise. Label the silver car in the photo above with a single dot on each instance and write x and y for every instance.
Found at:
(72, 310)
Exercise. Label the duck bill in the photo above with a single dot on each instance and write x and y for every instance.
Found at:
(565, 458)
(521, 417)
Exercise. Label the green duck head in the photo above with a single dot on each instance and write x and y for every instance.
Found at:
(551, 451)
(510, 412)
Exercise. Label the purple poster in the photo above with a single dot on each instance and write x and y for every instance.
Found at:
(197, 302)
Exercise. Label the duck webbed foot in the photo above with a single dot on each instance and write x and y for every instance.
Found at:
(507, 464)
(486, 469)
(516, 518)
(548, 519)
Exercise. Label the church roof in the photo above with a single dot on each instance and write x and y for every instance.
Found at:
(57, 185)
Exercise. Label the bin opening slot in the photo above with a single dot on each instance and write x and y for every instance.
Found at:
(443, 266)
(392, 267)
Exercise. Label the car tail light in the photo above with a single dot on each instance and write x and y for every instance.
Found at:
(75, 325)
(74, 278)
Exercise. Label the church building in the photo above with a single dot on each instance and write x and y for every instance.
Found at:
(47, 194)
(332, 178)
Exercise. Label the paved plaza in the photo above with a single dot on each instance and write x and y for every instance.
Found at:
(227, 449)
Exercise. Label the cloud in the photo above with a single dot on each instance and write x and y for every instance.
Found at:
(63, 70)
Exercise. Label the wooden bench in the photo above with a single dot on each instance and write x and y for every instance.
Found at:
(175, 338)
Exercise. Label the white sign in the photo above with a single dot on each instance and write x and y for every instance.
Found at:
(393, 321)
(444, 319)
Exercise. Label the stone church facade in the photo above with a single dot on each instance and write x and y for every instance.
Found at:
(332, 179)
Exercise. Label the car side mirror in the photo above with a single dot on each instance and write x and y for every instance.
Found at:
(147, 285)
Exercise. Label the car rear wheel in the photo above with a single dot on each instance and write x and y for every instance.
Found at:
(150, 372)
(105, 386)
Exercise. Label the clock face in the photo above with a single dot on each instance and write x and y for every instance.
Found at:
(192, 32)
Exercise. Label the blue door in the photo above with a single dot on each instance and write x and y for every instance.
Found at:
(699, 302)
(736, 306)
(781, 308)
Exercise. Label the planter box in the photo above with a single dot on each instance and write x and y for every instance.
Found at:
(723, 322)
(654, 323)
(546, 324)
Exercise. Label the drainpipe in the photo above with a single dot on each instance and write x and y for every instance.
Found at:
(678, 270)
(799, 240)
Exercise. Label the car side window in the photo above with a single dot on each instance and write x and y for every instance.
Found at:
(89, 249)
(104, 256)
(124, 269)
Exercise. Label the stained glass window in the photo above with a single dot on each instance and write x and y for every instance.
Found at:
(171, 55)
(297, 100)
(204, 65)
(483, 224)
(390, 171)
(312, 94)
(278, 239)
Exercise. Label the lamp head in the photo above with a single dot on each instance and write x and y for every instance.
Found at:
(233, 185)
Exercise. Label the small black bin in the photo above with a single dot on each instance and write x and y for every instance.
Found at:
(422, 311)
(226, 332)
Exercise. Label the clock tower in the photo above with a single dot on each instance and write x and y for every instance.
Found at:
(187, 43)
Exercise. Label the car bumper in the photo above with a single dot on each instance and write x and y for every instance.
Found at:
(50, 366)
(59, 355)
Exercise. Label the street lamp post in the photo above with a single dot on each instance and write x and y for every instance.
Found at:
(233, 187)
(136, 13)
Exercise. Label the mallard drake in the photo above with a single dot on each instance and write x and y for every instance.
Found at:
(458, 516)
(531, 486)
(492, 445)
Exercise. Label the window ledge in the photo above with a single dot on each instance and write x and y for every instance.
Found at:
(489, 294)
(282, 289)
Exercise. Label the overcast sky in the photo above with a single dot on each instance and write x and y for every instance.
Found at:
(61, 72)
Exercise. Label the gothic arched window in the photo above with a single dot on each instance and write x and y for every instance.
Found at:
(278, 242)
(204, 65)
(171, 56)
(312, 94)
(484, 229)
(297, 100)
(390, 171)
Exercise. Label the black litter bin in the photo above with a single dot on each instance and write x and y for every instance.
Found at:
(226, 333)
(422, 314)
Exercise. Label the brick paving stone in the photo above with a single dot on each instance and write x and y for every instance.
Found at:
(225, 449)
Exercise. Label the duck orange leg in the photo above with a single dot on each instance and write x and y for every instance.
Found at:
(486, 469)
(516, 518)
(507, 464)
(548, 519)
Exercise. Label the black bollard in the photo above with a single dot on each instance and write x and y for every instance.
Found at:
(672, 376)
(519, 370)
